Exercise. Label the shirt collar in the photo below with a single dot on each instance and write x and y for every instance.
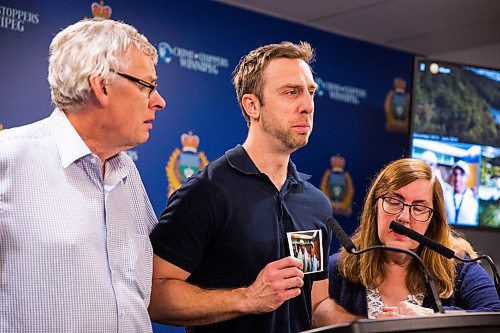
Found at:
(239, 159)
(69, 143)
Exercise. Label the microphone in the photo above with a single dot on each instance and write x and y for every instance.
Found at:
(341, 236)
(425, 241)
(443, 250)
(347, 243)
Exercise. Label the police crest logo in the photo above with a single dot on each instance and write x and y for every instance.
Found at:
(337, 185)
(396, 107)
(183, 163)
(101, 10)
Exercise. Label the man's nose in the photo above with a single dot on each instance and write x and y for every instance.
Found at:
(307, 103)
(156, 101)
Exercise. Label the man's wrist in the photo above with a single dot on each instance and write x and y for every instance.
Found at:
(244, 302)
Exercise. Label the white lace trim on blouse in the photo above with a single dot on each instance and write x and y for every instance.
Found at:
(375, 302)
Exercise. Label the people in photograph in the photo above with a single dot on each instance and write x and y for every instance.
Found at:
(431, 159)
(315, 264)
(75, 218)
(460, 201)
(382, 284)
(303, 255)
(222, 261)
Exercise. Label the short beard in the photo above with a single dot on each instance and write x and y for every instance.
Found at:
(287, 139)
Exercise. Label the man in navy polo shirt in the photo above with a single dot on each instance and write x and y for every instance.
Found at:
(223, 260)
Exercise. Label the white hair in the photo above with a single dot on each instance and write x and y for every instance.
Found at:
(89, 48)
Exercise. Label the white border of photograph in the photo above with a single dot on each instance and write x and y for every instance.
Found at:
(309, 237)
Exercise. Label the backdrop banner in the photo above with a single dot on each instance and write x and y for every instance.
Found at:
(361, 106)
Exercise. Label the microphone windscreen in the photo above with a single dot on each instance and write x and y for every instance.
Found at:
(425, 241)
(340, 234)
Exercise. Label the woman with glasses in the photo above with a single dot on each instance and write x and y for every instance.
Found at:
(382, 284)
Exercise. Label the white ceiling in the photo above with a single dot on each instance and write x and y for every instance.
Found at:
(466, 31)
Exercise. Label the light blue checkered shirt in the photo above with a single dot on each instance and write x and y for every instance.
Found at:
(75, 254)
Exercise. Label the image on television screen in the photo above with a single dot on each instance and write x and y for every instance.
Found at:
(455, 128)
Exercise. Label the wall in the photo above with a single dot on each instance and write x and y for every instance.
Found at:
(205, 42)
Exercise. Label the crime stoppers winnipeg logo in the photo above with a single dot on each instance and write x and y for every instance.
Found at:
(340, 92)
(165, 52)
(15, 19)
(192, 60)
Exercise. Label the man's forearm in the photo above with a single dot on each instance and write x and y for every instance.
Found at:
(178, 303)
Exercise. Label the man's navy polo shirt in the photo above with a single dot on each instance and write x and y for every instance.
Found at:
(228, 221)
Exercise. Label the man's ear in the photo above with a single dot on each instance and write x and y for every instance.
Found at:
(252, 106)
(99, 89)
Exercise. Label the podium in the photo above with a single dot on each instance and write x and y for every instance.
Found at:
(477, 322)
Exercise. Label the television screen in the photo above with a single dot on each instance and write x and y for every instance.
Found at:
(455, 128)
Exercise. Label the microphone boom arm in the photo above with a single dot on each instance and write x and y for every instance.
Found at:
(429, 284)
(443, 250)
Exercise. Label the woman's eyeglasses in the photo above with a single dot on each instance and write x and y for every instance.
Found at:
(418, 212)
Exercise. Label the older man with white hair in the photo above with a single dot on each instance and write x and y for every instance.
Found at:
(431, 159)
(75, 219)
